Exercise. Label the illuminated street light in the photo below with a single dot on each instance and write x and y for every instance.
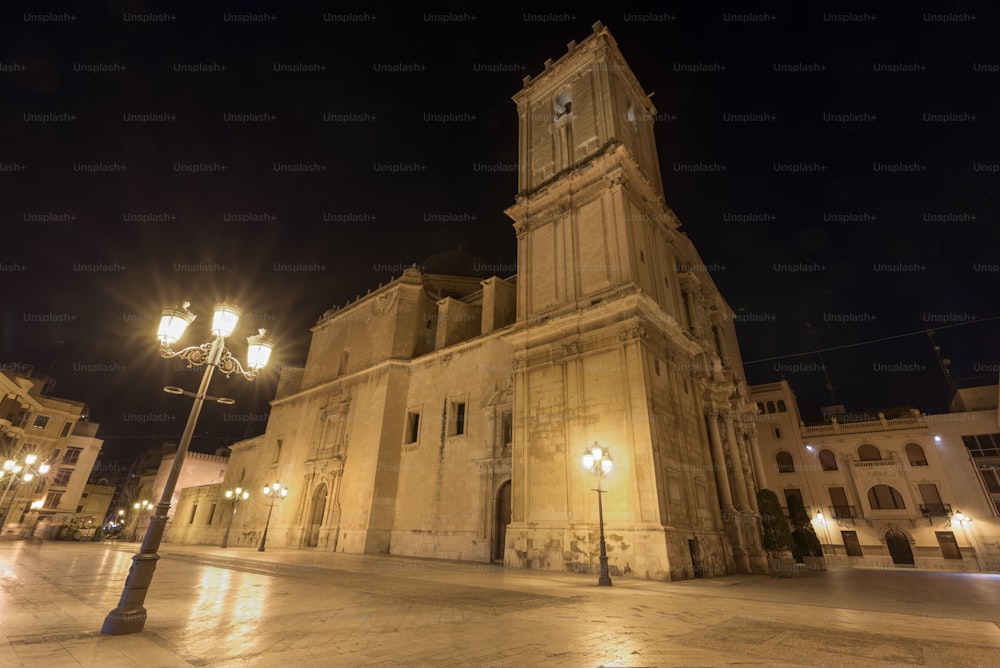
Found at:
(598, 462)
(970, 535)
(16, 473)
(130, 615)
(277, 493)
(235, 496)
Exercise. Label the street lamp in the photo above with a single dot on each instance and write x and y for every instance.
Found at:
(142, 508)
(597, 461)
(826, 529)
(970, 535)
(234, 495)
(130, 615)
(18, 472)
(277, 493)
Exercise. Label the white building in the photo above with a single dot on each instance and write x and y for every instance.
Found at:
(888, 488)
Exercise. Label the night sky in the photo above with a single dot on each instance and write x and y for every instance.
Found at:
(837, 172)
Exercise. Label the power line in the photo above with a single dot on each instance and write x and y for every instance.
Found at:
(922, 332)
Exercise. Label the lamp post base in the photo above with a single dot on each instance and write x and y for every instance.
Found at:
(604, 580)
(130, 615)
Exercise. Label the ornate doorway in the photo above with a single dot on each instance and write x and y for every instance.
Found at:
(316, 512)
(502, 520)
(899, 547)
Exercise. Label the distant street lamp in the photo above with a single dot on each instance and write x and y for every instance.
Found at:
(15, 473)
(142, 509)
(234, 496)
(130, 615)
(277, 493)
(598, 462)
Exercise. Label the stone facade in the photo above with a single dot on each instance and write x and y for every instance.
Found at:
(444, 416)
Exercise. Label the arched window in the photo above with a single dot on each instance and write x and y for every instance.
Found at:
(781, 405)
(869, 453)
(770, 407)
(915, 454)
(784, 462)
(777, 433)
(760, 408)
(884, 497)
(827, 460)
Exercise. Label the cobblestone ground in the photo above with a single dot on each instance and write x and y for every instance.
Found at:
(239, 607)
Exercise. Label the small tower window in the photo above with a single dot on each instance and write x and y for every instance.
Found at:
(630, 114)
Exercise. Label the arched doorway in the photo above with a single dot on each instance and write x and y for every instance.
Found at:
(502, 520)
(899, 547)
(316, 512)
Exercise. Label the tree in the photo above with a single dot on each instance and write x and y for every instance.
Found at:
(776, 536)
(806, 542)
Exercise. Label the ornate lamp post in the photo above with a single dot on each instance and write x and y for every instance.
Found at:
(235, 496)
(277, 493)
(130, 615)
(18, 472)
(597, 461)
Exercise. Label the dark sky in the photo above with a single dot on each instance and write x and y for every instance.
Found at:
(858, 192)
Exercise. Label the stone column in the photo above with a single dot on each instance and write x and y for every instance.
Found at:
(721, 477)
(739, 480)
(758, 463)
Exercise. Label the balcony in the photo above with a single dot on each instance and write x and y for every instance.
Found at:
(843, 513)
(935, 510)
(909, 422)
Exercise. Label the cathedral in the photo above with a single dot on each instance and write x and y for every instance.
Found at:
(446, 416)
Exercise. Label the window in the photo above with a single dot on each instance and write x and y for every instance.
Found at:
(915, 454)
(949, 546)
(61, 478)
(507, 429)
(884, 497)
(827, 460)
(790, 492)
(211, 513)
(784, 462)
(841, 509)
(562, 105)
(41, 422)
(851, 544)
(991, 477)
(65, 430)
(79, 509)
(72, 455)
(760, 408)
(770, 407)
(869, 453)
(456, 419)
(53, 499)
(777, 433)
(344, 357)
(781, 405)
(412, 427)
(194, 511)
(983, 445)
(656, 366)
(642, 257)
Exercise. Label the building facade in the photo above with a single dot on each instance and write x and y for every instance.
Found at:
(58, 434)
(892, 488)
(446, 416)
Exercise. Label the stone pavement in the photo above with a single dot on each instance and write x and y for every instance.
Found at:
(239, 607)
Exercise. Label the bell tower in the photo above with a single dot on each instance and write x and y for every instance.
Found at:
(623, 340)
(589, 212)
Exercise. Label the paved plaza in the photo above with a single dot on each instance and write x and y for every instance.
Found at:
(239, 607)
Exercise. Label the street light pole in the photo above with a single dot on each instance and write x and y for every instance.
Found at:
(234, 495)
(276, 492)
(130, 615)
(597, 461)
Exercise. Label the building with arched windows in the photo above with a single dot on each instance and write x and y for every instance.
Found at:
(445, 415)
(890, 488)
